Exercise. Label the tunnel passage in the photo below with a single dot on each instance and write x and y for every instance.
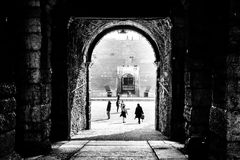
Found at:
(84, 34)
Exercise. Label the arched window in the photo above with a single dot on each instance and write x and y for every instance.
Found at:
(128, 83)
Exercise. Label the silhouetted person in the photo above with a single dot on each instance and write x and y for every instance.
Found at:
(139, 113)
(118, 101)
(108, 109)
(123, 113)
(122, 105)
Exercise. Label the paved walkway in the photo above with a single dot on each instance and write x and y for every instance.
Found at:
(114, 140)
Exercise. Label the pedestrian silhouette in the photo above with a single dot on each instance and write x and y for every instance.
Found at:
(117, 102)
(108, 109)
(139, 113)
(123, 113)
(122, 105)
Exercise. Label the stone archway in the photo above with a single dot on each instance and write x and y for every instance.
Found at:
(84, 34)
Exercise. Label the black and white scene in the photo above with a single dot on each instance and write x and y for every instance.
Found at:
(120, 80)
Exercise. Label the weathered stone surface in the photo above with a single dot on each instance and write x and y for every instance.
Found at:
(78, 112)
(233, 86)
(33, 25)
(30, 94)
(33, 75)
(33, 42)
(218, 121)
(233, 101)
(187, 113)
(233, 66)
(188, 97)
(169, 154)
(12, 156)
(7, 89)
(7, 105)
(7, 122)
(46, 94)
(233, 150)
(32, 59)
(233, 125)
(7, 143)
(45, 111)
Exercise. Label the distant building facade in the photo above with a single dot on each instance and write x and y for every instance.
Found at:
(116, 62)
(128, 81)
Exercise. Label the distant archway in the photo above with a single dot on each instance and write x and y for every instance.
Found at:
(84, 34)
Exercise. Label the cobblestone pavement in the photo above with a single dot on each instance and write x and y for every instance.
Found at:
(114, 140)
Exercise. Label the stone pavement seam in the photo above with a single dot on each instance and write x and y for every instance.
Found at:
(73, 154)
(155, 154)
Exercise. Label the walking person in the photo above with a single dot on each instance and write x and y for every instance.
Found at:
(139, 113)
(108, 109)
(122, 105)
(124, 114)
(118, 101)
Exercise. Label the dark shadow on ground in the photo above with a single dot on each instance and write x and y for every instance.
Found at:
(134, 135)
(100, 120)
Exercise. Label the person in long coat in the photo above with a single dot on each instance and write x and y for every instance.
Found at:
(139, 113)
(108, 109)
(124, 113)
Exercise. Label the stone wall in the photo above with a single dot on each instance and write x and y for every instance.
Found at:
(33, 85)
(224, 141)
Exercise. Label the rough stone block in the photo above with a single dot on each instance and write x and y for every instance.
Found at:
(46, 93)
(188, 97)
(233, 66)
(233, 86)
(30, 94)
(233, 150)
(45, 111)
(35, 113)
(33, 25)
(233, 101)
(187, 113)
(233, 125)
(33, 59)
(7, 143)
(7, 122)
(7, 90)
(33, 42)
(7, 105)
(33, 75)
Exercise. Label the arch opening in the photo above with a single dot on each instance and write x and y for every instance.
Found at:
(83, 39)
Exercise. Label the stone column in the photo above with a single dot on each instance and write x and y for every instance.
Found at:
(33, 87)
